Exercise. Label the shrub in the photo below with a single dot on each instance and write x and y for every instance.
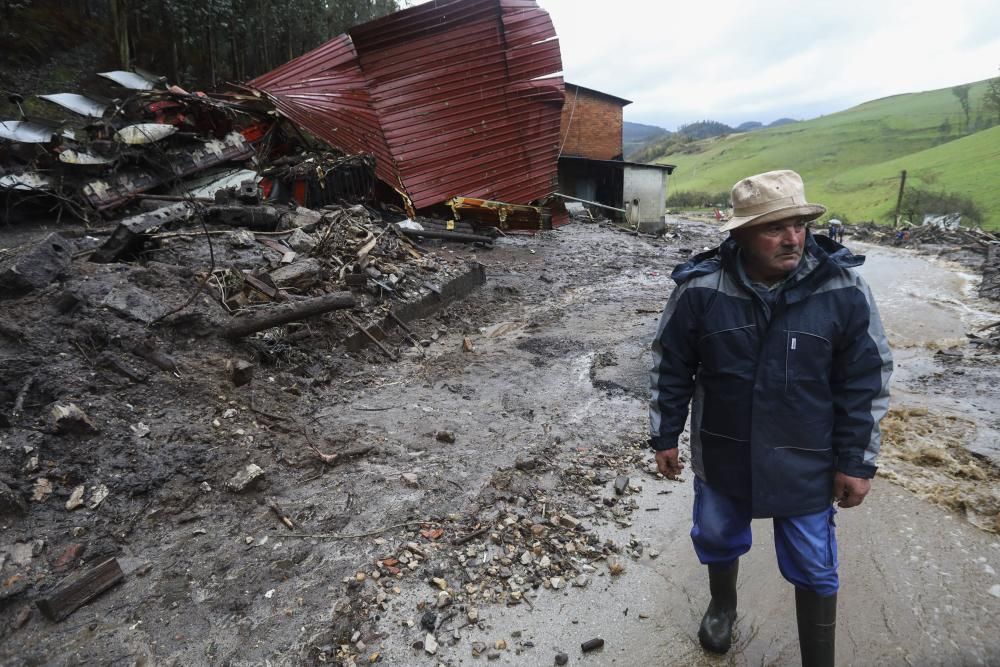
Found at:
(697, 199)
(918, 202)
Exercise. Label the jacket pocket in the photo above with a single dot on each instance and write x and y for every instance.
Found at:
(808, 359)
(726, 462)
(729, 353)
(805, 476)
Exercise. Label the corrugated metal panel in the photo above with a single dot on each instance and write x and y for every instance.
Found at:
(446, 94)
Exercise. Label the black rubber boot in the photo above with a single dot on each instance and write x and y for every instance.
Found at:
(817, 617)
(716, 631)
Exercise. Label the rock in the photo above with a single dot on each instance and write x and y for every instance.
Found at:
(500, 645)
(39, 266)
(443, 600)
(301, 274)
(245, 479)
(75, 498)
(430, 644)
(493, 655)
(300, 217)
(440, 583)
(428, 621)
(557, 583)
(995, 590)
(561, 659)
(467, 344)
(445, 436)
(11, 502)
(478, 648)
(22, 553)
(68, 418)
(527, 558)
(473, 615)
(621, 483)
(301, 242)
(544, 562)
(592, 644)
(410, 479)
(653, 553)
(97, 496)
(581, 581)
(569, 521)
(240, 371)
(42, 490)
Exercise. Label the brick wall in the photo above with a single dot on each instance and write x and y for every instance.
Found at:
(596, 128)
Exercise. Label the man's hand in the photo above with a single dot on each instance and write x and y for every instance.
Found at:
(668, 463)
(850, 491)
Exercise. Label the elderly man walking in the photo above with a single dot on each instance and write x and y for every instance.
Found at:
(778, 342)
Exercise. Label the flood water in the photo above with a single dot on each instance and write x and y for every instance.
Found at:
(923, 302)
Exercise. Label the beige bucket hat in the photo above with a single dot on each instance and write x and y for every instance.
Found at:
(773, 195)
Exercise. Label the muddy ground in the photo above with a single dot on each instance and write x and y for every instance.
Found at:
(514, 447)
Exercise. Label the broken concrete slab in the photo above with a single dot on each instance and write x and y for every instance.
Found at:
(134, 303)
(37, 267)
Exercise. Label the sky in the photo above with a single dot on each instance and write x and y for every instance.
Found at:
(759, 60)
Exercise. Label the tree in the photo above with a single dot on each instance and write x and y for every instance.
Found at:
(991, 99)
(962, 93)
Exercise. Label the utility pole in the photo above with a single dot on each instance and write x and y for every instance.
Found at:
(899, 199)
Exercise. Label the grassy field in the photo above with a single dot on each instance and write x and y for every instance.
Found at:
(851, 160)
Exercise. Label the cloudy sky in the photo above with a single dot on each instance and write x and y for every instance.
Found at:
(735, 61)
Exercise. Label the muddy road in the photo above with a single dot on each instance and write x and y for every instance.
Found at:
(479, 521)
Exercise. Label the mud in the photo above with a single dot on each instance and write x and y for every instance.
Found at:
(532, 425)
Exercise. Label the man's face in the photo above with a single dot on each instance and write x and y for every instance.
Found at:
(773, 249)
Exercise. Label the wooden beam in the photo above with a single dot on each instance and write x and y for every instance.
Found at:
(80, 589)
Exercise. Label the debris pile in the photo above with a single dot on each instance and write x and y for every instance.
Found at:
(531, 542)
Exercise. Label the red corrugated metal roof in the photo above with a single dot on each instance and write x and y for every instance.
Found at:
(447, 95)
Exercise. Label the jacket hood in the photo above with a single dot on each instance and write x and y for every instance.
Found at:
(819, 251)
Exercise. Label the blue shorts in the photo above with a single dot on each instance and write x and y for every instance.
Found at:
(806, 545)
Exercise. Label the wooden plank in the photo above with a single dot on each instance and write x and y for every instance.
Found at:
(80, 589)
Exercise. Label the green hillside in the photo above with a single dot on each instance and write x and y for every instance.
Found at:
(851, 160)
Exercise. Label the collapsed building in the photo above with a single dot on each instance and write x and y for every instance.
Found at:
(472, 130)
(338, 163)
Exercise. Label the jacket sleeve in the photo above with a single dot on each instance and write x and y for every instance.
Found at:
(862, 366)
(675, 362)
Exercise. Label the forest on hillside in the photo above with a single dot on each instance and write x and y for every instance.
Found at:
(200, 43)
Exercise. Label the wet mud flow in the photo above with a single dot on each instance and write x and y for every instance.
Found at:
(502, 507)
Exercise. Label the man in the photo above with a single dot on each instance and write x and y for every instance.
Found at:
(779, 343)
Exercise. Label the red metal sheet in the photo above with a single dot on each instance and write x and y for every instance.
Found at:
(447, 95)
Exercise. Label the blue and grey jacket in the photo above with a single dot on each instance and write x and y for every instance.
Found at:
(783, 393)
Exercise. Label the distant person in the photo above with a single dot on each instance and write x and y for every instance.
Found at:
(778, 341)
(836, 230)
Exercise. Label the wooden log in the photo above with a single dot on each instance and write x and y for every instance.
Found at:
(80, 589)
(284, 314)
(444, 235)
